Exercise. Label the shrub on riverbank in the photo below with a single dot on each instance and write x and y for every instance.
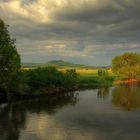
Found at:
(127, 66)
(51, 77)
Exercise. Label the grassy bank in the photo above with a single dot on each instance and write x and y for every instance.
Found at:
(90, 78)
(85, 81)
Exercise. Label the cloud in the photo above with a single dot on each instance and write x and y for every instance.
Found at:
(73, 30)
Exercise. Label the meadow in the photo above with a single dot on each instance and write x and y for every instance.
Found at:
(89, 77)
(87, 71)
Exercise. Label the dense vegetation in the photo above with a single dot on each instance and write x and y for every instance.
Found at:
(127, 66)
(51, 77)
(9, 60)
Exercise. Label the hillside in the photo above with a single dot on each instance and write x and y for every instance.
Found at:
(61, 63)
(56, 63)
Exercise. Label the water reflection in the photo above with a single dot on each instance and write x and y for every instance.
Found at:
(73, 116)
(12, 120)
(126, 97)
(13, 117)
(103, 92)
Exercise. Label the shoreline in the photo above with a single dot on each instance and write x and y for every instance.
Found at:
(127, 82)
(46, 92)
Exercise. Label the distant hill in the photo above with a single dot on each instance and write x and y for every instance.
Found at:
(55, 63)
(61, 63)
(29, 65)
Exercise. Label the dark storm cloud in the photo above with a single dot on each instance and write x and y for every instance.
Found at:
(83, 28)
(122, 18)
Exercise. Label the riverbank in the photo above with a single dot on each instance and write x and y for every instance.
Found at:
(43, 82)
(39, 82)
(46, 92)
(92, 81)
(37, 93)
(126, 82)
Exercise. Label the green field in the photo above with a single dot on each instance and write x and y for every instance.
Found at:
(88, 77)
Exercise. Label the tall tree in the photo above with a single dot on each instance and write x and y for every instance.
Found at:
(9, 59)
(127, 65)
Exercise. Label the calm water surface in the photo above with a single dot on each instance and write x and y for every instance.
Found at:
(101, 114)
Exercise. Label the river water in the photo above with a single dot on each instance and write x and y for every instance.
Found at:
(97, 114)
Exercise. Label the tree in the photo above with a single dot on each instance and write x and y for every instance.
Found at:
(127, 66)
(71, 73)
(9, 59)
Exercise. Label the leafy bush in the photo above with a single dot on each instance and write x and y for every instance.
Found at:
(50, 77)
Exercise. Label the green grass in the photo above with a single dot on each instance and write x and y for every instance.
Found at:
(94, 80)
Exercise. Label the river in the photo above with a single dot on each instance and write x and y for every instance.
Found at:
(96, 114)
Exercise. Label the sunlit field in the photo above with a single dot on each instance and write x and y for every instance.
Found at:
(88, 77)
(87, 71)
(90, 71)
(80, 71)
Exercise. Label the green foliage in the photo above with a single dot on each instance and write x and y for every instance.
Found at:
(50, 77)
(127, 65)
(9, 58)
(88, 81)
(20, 85)
(104, 77)
(102, 72)
(71, 73)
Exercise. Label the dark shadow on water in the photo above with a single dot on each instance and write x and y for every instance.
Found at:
(13, 116)
(126, 97)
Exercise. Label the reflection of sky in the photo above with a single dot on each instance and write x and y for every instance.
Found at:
(91, 118)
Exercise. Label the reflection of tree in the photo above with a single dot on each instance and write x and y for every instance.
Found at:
(127, 97)
(51, 103)
(103, 92)
(13, 117)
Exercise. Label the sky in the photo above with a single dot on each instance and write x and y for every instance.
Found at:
(89, 32)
